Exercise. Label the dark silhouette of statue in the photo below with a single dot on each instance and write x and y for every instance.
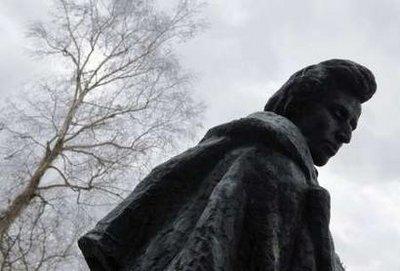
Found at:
(247, 196)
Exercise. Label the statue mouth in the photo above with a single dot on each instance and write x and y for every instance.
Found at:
(330, 148)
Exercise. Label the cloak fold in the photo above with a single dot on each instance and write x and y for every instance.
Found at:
(245, 198)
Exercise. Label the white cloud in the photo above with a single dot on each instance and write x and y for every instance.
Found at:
(276, 39)
(251, 48)
(365, 222)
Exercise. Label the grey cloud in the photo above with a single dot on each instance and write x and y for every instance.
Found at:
(276, 38)
(16, 66)
(365, 222)
(250, 49)
(371, 157)
(273, 39)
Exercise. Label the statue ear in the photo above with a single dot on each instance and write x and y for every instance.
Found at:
(287, 107)
(292, 111)
(296, 110)
(302, 96)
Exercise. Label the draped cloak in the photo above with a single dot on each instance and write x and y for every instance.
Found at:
(246, 198)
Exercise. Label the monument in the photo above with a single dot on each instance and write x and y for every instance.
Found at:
(246, 198)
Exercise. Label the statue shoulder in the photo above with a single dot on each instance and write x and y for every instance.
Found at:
(273, 131)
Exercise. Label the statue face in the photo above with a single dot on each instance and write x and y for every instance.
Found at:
(328, 124)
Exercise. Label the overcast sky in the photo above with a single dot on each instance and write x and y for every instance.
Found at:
(249, 50)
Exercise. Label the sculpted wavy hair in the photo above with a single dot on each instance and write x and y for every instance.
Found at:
(310, 83)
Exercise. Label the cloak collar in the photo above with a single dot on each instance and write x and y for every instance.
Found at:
(273, 130)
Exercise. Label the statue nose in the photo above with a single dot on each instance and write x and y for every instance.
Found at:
(343, 136)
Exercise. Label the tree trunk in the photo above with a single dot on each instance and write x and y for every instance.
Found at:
(21, 201)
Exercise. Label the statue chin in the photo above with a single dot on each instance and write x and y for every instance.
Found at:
(320, 160)
(320, 164)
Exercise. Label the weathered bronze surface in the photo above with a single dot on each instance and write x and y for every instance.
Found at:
(247, 196)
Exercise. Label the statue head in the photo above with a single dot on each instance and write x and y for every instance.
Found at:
(324, 102)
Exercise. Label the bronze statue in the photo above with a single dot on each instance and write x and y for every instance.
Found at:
(247, 196)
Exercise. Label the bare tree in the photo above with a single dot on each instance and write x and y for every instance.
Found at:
(116, 96)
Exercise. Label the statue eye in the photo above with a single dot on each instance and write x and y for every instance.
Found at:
(340, 114)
